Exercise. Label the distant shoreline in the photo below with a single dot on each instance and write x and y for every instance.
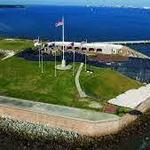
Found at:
(11, 6)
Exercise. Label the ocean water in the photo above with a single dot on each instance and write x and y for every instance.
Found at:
(93, 24)
(81, 23)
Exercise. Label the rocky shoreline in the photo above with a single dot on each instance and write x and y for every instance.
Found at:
(2, 6)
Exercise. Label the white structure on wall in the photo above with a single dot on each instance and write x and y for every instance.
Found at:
(132, 98)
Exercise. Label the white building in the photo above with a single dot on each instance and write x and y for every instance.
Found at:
(90, 47)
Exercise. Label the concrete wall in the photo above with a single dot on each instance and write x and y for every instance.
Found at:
(89, 128)
(145, 106)
(84, 127)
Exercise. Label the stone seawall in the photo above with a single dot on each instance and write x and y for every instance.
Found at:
(83, 127)
(128, 118)
(145, 106)
(129, 52)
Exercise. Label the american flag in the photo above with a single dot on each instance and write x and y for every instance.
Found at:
(59, 23)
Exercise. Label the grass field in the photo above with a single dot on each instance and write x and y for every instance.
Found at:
(15, 44)
(1, 56)
(22, 79)
(105, 84)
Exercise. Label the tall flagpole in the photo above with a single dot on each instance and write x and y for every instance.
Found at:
(63, 37)
(63, 65)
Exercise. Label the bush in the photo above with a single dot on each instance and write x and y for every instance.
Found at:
(122, 110)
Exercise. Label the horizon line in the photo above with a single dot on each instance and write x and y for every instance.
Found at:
(88, 6)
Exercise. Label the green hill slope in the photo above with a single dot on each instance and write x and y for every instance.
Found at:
(105, 84)
(22, 79)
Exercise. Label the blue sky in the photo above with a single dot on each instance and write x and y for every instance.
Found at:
(134, 3)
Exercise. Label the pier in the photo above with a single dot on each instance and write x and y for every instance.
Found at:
(129, 42)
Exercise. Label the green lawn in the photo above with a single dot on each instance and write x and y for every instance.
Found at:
(15, 44)
(105, 84)
(1, 56)
(22, 79)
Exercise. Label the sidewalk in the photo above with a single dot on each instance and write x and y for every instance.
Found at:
(77, 82)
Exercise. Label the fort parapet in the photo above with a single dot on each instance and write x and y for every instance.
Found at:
(82, 126)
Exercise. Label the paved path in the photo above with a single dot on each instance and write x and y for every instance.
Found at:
(77, 82)
(8, 53)
(54, 110)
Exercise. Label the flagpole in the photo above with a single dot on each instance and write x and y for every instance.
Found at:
(42, 70)
(39, 53)
(39, 58)
(63, 65)
(73, 62)
(86, 59)
(55, 65)
(85, 62)
(63, 37)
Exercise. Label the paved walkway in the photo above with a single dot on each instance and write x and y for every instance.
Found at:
(55, 110)
(77, 82)
(8, 53)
